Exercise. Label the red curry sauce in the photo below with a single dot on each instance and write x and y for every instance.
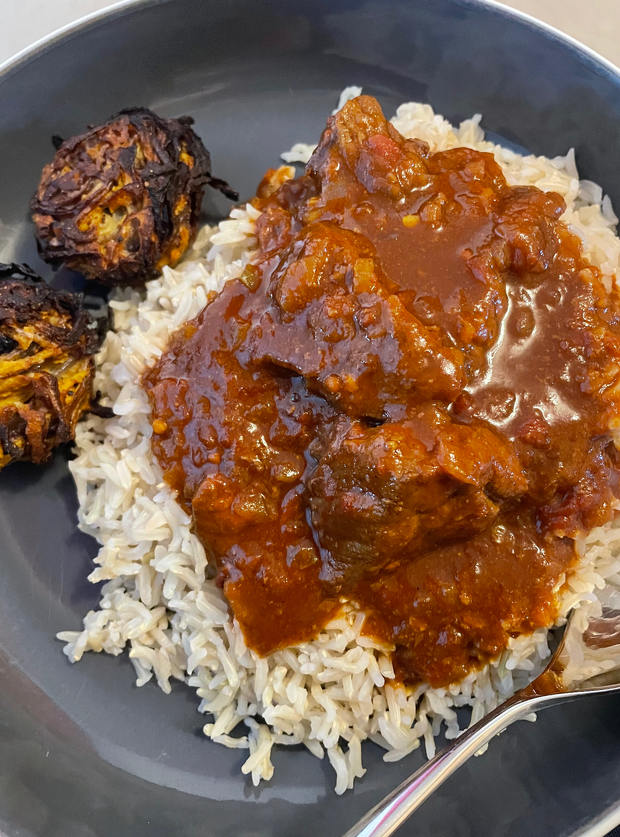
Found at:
(404, 403)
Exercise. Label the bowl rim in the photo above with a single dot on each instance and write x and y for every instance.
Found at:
(609, 818)
(118, 8)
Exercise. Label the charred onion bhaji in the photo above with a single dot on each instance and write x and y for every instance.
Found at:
(122, 200)
(47, 341)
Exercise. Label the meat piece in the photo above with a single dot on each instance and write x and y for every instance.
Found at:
(278, 222)
(47, 342)
(381, 159)
(122, 200)
(380, 495)
(592, 497)
(526, 222)
(429, 218)
(475, 177)
(355, 342)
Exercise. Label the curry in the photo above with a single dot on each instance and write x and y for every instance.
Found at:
(405, 402)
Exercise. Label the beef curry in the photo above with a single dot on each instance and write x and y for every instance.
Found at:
(404, 402)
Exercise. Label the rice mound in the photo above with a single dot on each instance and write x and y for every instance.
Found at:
(159, 600)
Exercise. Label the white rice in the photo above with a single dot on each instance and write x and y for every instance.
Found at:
(158, 601)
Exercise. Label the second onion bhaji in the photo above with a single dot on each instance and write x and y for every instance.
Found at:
(47, 342)
(122, 200)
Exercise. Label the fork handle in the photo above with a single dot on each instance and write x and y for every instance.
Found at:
(393, 810)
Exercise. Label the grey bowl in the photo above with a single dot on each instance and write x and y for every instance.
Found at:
(82, 751)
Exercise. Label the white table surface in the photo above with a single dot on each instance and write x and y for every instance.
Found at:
(594, 22)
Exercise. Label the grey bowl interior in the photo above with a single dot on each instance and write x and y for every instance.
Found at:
(82, 751)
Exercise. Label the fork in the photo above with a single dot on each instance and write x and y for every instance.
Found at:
(549, 688)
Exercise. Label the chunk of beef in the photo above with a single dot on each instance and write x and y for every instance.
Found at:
(382, 494)
(336, 321)
(360, 137)
(429, 218)
(526, 219)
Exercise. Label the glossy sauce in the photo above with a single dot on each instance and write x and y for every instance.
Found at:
(404, 403)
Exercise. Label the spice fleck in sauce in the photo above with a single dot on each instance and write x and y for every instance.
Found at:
(404, 402)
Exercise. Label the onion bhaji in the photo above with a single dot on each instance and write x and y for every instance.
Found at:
(47, 342)
(122, 200)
